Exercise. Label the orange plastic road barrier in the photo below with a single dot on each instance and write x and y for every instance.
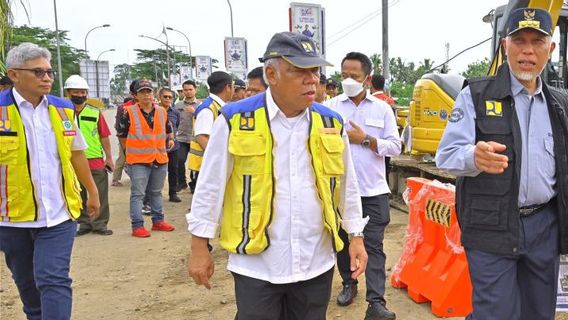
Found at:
(433, 265)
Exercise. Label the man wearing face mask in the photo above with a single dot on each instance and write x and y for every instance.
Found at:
(371, 128)
(96, 133)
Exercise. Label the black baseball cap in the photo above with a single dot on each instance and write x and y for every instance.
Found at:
(143, 84)
(298, 49)
(239, 84)
(532, 18)
(332, 83)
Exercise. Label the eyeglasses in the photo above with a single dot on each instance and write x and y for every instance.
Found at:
(39, 72)
(167, 97)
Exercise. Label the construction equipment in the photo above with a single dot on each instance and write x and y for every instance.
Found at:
(434, 94)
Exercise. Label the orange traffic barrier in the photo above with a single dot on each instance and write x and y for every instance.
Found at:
(433, 265)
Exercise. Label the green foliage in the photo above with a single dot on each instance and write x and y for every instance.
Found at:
(402, 93)
(118, 84)
(46, 38)
(202, 91)
(478, 68)
(377, 62)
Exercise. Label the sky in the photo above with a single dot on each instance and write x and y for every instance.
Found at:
(418, 29)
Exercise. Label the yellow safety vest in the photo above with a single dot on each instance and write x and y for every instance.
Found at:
(18, 198)
(248, 204)
(195, 149)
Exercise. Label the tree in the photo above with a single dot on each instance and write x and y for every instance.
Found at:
(377, 62)
(118, 84)
(478, 68)
(46, 38)
(6, 20)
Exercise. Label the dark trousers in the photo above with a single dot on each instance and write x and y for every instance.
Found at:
(173, 172)
(193, 175)
(101, 222)
(377, 209)
(183, 151)
(39, 260)
(522, 286)
(262, 300)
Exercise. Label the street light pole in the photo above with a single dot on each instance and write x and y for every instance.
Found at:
(189, 47)
(97, 70)
(97, 27)
(167, 52)
(231, 10)
(58, 51)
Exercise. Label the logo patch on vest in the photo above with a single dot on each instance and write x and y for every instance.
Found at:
(247, 121)
(67, 125)
(493, 108)
(5, 125)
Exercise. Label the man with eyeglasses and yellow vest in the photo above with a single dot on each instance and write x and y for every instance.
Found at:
(41, 165)
(278, 181)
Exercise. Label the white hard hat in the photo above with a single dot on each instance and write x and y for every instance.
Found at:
(76, 82)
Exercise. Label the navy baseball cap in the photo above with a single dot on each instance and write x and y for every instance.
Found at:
(532, 18)
(238, 83)
(332, 83)
(298, 49)
(143, 84)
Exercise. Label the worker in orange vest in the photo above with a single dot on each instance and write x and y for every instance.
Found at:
(144, 131)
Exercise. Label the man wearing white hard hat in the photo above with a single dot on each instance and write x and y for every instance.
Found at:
(96, 133)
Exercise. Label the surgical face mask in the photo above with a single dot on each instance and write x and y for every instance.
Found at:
(351, 87)
(78, 100)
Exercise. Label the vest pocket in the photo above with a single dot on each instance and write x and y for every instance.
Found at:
(332, 154)
(9, 149)
(249, 152)
(488, 205)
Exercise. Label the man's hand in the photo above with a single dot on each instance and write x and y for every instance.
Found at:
(170, 146)
(109, 163)
(93, 206)
(488, 160)
(358, 256)
(356, 135)
(200, 265)
(189, 109)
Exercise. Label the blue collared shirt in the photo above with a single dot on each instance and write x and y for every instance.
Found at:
(455, 153)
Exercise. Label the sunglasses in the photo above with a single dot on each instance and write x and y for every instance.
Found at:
(167, 97)
(39, 72)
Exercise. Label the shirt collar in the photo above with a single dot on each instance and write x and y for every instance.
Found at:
(273, 109)
(518, 88)
(217, 99)
(22, 101)
(343, 97)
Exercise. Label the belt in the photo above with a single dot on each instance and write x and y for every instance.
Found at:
(533, 209)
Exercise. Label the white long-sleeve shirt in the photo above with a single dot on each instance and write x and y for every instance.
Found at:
(300, 249)
(376, 118)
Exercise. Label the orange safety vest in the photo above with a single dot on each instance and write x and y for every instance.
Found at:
(145, 144)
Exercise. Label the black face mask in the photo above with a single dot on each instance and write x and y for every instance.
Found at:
(78, 100)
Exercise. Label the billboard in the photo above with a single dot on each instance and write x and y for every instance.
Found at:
(97, 74)
(202, 67)
(236, 55)
(185, 73)
(309, 20)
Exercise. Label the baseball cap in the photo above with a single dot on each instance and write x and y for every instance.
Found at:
(298, 49)
(239, 84)
(331, 82)
(533, 18)
(143, 84)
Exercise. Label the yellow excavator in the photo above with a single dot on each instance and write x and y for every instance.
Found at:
(434, 94)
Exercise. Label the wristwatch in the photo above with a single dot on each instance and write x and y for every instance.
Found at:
(366, 142)
(356, 235)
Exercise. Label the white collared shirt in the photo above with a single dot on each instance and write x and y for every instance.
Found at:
(300, 249)
(45, 164)
(376, 118)
(204, 120)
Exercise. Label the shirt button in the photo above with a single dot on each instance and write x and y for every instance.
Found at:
(515, 249)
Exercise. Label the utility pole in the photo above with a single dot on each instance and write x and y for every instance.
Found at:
(385, 56)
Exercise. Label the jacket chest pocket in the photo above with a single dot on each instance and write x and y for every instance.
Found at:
(9, 146)
(332, 154)
(249, 152)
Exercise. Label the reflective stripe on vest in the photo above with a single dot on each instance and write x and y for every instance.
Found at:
(88, 121)
(145, 144)
(18, 202)
(248, 198)
(195, 149)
